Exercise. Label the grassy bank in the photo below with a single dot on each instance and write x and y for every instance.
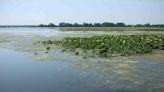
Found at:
(111, 29)
(109, 45)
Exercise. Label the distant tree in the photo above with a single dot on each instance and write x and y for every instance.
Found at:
(120, 25)
(41, 25)
(107, 24)
(97, 25)
(51, 25)
(129, 25)
(87, 24)
(61, 24)
(158, 25)
(65, 24)
(138, 25)
(90, 25)
(76, 25)
(147, 25)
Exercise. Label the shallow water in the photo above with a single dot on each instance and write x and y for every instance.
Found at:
(21, 70)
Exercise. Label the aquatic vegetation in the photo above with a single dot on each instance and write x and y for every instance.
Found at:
(131, 61)
(123, 66)
(48, 48)
(41, 56)
(160, 88)
(120, 71)
(149, 28)
(108, 60)
(127, 79)
(112, 45)
(84, 65)
(35, 53)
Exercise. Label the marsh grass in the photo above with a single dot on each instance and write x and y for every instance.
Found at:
(111, 29)
(149, 28)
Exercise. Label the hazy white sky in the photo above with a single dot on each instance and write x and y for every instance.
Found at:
(45, 11)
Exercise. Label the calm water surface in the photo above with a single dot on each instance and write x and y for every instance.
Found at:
(23, 71)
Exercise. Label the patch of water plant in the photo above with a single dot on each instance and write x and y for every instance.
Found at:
(111, 45)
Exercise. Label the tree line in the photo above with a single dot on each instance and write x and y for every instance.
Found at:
(105, 24)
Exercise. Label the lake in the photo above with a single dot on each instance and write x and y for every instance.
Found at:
(28, 68)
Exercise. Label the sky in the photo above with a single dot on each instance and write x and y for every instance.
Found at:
(32, 12)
